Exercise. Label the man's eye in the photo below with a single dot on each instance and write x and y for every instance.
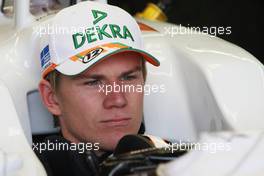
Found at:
(93, 83)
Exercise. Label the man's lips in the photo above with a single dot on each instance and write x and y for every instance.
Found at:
(116, 122)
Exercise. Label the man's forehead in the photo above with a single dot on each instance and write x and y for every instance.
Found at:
(118, 63)
(104, 74)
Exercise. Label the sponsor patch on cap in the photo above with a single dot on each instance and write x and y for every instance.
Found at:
(45, 57)
(91, 55)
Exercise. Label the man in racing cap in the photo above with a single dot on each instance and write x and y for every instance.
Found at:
(100, 46)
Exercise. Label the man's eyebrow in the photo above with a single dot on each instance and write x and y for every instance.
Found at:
(90, 76)
(136, 69)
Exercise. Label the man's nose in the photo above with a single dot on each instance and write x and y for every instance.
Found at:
(115, 98)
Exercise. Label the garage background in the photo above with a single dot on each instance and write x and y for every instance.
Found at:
(245, 17)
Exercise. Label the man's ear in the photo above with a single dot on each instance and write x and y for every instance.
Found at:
(49, 98)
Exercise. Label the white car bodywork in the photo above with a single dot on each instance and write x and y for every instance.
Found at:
(211, 86)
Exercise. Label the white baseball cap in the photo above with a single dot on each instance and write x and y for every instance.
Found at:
(80, 36)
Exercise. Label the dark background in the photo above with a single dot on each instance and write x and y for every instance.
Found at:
(246, 18)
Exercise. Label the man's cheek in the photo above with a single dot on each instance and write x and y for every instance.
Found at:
(137, 100)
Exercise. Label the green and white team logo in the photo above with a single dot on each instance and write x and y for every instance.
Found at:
(100, 32)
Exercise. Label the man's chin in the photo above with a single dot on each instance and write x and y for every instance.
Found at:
(111, 142)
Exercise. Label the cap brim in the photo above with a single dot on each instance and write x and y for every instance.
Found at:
(75, 64)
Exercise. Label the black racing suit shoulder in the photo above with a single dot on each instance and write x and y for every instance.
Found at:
(66, 159)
